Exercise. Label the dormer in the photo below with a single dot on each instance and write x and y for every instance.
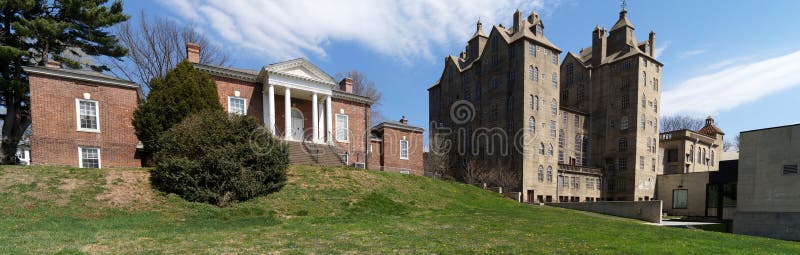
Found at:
(621, 37)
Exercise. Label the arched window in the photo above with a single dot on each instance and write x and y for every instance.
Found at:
(649, 144)
(553, 107)
(655, 145)
(712, 158)
(541, 148)
(550, 149)
(530, 73)
(536, 102)
(642, 121)
(532, 125)
(530, 98)
(644, 78)
(540, 173)
(555, 80)
(623, 144)
(644, 101)
(549, 174)
(623, 123)
(536, 74)
(699, 155)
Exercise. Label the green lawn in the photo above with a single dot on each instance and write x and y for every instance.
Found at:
(321, 210)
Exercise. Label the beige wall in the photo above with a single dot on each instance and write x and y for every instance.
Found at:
(694, 183)
(649, 211)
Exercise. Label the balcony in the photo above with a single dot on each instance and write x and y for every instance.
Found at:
(579, 169)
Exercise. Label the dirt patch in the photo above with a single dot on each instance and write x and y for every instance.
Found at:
(127, 188)
(94, 248)
(71, 184)
(13, 177)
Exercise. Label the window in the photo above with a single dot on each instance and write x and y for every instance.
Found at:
(541, 173)
(552, 129)
(577, 121)
(532, 50)
(790, 169)
(342, 128)
(653, 161)
(576, 182)
(644, 101)
(553, 107)
(598, 183)
(589, 183)
(641, 162)
(531, 76)
(550, 174)
(554, 79)
(541, 148)
(625, 101)
(564, 181)
(536, 74)
(536, 102)
(344, 158)
(236, 105)
(550, 149)
(532, 125)
(578, 143)
(622, 144)
(403, 149)
(88, 117)
(642, 122)
(555, 58)
(623, 123)
(679, 198)
(561, 146)
(644, 78)
(539, 31)
(712, 158)
(89, 157)
(623, 164)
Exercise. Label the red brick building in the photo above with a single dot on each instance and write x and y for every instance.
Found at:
(82, 118)
(397, 147)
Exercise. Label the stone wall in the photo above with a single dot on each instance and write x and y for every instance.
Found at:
(781, 225)
(649, 211)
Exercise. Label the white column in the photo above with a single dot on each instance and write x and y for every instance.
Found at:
(271, 116)
(328, 119)
(287, 106)
(314, 116)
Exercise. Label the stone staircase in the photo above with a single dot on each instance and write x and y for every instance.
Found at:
(301, 153)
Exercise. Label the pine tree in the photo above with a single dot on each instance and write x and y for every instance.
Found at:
(32, 32)
(181, 92)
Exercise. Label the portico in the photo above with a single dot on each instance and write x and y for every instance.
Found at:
(302, 93)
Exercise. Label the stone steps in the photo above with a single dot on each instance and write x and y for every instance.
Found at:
(303, 153)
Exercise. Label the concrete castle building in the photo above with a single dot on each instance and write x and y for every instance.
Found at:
(582, 130)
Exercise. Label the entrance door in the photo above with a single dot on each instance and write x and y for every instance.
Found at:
(297, 125)
(531, 197)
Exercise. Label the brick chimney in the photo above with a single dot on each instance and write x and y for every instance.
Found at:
(404, 120)
(193, 52)
(53, 64)
(346, 85)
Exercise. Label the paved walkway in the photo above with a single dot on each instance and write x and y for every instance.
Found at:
(672, 223)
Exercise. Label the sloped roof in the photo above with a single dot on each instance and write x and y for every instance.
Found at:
(711, 130)
(623, 21)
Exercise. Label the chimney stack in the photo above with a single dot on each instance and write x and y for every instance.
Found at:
(346, 85)
(404, 120)
(53, 64)
(193, 52)
(652, 42)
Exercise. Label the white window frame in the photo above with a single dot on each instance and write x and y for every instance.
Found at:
(78, 115)
(244, 104)
(80, 156)
(346, 128)
(406, 149)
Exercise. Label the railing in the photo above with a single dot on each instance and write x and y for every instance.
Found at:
(579, 169)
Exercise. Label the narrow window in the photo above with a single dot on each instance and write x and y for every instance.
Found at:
(540, 173)
(403, 149)
(88, 117)
(541, 148)
(531, 103)
(536, 74)
(549, 174)
(679, 198)
(536, 102)
(532, 125)
(531, 76)
(89, 157)
(552, 129)
(342, 128)
(553, 107)
(236, 105)
(623, 123)
(555, 80)
(550, 149)
(622, 144)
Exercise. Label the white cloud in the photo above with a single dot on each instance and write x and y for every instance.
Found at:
(691, 53)
(661, 48)
(408, 30)
(733, 86)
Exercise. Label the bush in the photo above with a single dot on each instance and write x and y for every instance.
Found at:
(216, 158)
(181, 92)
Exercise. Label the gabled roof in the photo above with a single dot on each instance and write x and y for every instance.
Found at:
(84, 75)
(289, 68)
(398, 125)
(623, 21)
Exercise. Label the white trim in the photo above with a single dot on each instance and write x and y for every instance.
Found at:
(300, 84)
(78, 115)
(302, 120)
(401, 149)
(347, 129)
(244, 101)
(80, 156)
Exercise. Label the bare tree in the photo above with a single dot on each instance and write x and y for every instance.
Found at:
(506, 177)
(365, 87)
(727, 145)
(437, 159)
(156, 46)
(679, 122)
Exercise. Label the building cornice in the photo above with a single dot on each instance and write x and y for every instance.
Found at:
(398, 126)
(352, 97)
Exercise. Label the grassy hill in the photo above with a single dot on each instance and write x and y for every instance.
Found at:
(321, 210)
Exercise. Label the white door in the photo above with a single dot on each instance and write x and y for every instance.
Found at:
(297, 125)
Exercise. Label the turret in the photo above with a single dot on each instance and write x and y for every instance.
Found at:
(621, 37)
(477, 42)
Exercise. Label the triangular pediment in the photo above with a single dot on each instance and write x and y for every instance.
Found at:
(300, 68)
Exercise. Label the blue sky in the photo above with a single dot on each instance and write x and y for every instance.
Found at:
(736, 60)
